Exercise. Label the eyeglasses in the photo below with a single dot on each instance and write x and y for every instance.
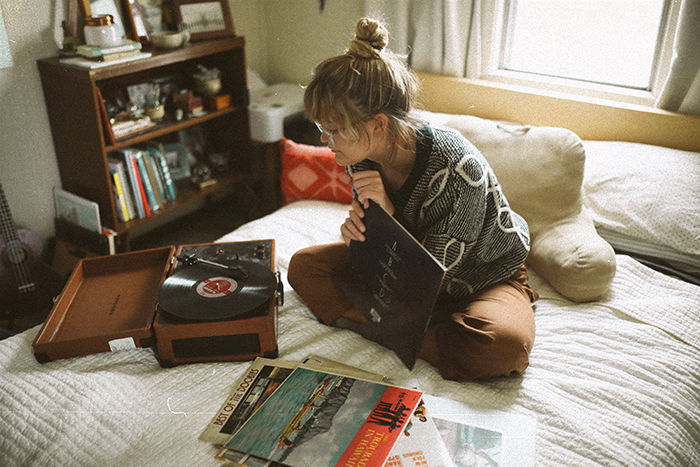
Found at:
(330, 134)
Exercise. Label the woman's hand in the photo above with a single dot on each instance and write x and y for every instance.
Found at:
(353, 228)
(369, 186)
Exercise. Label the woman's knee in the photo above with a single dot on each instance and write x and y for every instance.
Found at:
(465, 354)
(314, 261)
(298, 267)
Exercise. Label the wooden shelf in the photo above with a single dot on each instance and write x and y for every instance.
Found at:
(167, 127)
(78, 126)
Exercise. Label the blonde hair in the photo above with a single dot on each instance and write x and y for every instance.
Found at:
(366, 80)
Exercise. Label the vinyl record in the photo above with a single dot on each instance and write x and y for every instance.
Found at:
(202, 293)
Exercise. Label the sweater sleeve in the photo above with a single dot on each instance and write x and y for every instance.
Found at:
(469, 226)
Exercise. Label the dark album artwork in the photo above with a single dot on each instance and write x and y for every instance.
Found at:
(395, 282)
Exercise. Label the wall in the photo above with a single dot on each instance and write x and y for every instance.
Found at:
(300, 36)
(28, 169)
(249, 20)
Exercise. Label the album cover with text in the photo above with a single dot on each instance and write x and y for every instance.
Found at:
(325, 419)
(394, 281)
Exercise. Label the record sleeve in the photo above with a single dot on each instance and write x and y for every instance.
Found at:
(261, 379)
(394, 281)
(324, 419)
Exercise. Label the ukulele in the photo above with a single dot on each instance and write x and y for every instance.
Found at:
(26, 284)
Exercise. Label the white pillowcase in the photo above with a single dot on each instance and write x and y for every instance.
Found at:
(645, 199)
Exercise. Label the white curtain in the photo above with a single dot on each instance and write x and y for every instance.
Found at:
(681, 92)
(438, 36)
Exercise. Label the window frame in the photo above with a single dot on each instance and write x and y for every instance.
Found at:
(494, 43)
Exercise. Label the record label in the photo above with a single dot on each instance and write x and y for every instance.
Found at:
(216, 287)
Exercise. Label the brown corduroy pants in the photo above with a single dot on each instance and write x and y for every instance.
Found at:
(492, 335)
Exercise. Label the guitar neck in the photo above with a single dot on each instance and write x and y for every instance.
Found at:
(8, 230)
(14, 250)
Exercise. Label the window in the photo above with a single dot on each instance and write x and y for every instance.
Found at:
(616, 49)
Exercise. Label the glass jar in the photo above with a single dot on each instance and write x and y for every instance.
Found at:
(101, 31)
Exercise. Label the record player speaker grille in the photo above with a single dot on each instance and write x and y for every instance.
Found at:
(215, 346)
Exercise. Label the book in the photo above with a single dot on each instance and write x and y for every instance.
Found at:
(394, 281)
(84, 62)
(119, 196)
(320, 418)
(156, 179)
(115, 56)
(164, 170)
(97, 51)
(133, 159)
(125, 156)
(117, 166)
(146, 181)
(77, 210)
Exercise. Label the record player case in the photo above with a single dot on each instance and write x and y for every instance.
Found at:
(109, 303)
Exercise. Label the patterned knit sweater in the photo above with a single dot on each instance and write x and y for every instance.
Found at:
(453, 204)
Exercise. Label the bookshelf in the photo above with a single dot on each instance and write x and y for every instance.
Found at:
(83, 145)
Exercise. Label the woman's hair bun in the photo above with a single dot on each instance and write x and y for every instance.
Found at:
(371, 37)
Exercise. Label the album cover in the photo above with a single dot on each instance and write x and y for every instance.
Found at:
(261, 379)
(77, 210)
(420, 444)
(324, 419)
(474, 436)
(394, 281)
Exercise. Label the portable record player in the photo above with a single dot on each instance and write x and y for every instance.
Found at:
(192, 303)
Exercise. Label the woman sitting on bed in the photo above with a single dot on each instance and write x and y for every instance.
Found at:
(442, 190)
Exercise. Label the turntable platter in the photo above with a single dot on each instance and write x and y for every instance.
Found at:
(201, 293)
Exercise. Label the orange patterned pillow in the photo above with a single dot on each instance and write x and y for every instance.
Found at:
(310, 172)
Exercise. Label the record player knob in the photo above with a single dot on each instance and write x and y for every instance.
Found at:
(260, 252)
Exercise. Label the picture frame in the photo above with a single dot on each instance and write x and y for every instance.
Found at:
(178, 161)
(204, 19)
(137, 24)
(152, 15)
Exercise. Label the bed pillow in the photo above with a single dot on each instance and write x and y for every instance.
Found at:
(310, 172)
(541, 172)
(644, 199)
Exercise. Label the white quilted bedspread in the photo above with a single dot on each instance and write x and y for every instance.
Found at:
(613, 382)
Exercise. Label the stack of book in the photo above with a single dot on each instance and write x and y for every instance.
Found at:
(128, 127)
(323, 413)
(142, 182)
(96, 53)
(92, 56)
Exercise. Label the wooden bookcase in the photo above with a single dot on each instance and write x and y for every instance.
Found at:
(82, 145)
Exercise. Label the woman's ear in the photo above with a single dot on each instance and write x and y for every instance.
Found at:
(381, 123)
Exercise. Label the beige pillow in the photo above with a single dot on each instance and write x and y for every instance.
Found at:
(541, 172)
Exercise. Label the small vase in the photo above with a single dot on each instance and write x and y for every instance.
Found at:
(156, 112)
(209, 87)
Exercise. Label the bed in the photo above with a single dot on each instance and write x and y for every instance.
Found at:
(613, 380)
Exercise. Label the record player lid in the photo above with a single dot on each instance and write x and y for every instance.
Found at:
(106, 298)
